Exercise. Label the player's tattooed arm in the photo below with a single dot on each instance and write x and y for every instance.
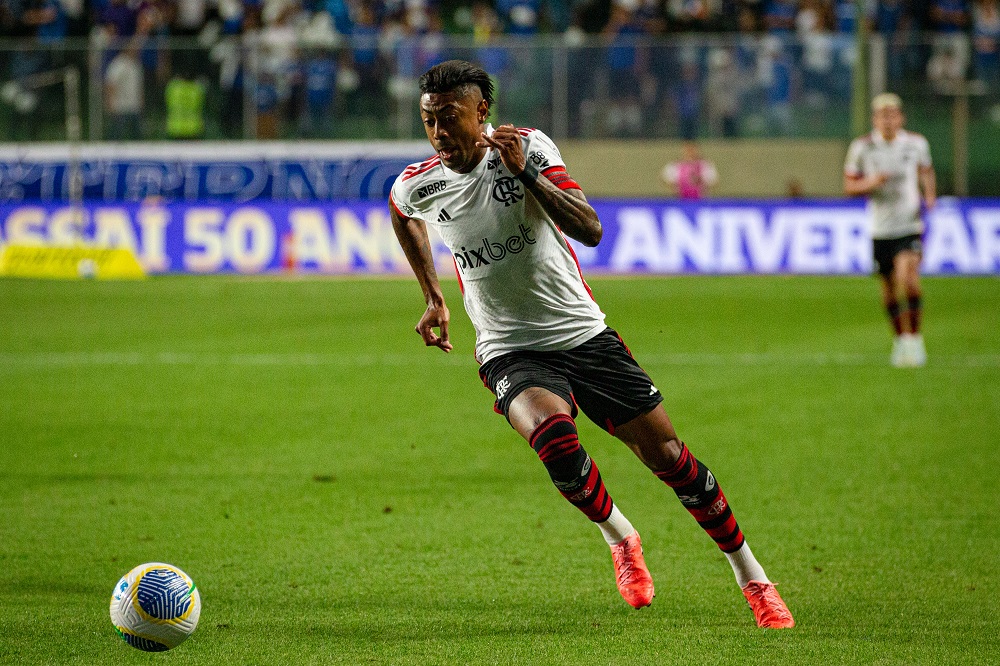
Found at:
(412, 236)
(568, 208)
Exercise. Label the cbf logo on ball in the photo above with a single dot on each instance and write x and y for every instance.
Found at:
(491, 251)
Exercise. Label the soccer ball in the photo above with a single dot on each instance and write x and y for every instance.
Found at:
(155, 606)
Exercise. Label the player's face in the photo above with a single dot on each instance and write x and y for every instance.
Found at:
(888, 121)
(453, 125)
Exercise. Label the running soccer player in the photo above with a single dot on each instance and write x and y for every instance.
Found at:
(501, 199)
(892, 167)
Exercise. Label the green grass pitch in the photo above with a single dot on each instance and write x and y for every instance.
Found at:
(340, 494)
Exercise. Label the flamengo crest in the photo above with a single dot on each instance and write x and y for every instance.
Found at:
(507, 191)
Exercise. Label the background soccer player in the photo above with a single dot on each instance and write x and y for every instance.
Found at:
(501, 199)
(893, 167)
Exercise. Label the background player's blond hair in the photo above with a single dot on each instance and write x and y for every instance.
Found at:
(887, 100)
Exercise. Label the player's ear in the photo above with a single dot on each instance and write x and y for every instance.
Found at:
(482, 110)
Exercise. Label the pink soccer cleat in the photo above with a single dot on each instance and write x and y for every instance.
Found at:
(768, 608)
(634, 581)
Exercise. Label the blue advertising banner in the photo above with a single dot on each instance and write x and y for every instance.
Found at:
(657, 237)
(206, 171)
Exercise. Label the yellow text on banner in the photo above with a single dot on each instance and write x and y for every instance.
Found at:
(68, 263)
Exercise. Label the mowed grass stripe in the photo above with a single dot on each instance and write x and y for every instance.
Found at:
(293, 359)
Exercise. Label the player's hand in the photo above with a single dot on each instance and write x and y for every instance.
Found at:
(879, 179)
(929, 202)
(435, 316)
(507, 141)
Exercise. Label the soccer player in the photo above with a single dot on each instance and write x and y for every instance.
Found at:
(501, 199)
(892, 167)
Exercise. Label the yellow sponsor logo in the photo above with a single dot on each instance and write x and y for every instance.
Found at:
(68, 263)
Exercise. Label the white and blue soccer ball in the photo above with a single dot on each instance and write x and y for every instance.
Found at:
(155, 607)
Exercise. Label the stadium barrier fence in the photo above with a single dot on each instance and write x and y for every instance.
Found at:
(290, 86)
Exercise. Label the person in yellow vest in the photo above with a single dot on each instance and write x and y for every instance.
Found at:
(185, 99)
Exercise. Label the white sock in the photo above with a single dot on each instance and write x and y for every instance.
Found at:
(616, 527)
(745, 566)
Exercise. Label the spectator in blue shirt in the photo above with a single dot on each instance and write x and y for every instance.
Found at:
(949, 16)
(367, 98)
(520, 17)
(986, 41)
(320, 82)
(118, 19)
(950, 57)
(53, 27)
(779, 88)
(779, 16)
(341, 15)
(894, 22)
(689, 100)
(626, 69)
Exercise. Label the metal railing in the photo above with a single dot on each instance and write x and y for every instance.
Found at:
(681, 86)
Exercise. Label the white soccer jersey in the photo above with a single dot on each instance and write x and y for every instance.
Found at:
(895, 207)
(521, 283)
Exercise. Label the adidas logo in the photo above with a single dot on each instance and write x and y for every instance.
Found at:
(444, 216)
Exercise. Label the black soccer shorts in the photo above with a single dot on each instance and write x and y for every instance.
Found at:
(884, 251)
(600, 377)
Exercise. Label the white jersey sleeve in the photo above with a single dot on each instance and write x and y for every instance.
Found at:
(404, 196)
(923, 150)
(852, 164)
(541, 152)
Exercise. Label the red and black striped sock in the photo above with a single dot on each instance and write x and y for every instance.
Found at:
(701, 495)
(913, 304)
(574, 474)
(895, 316)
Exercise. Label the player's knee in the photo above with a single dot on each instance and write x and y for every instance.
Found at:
(532, 408)
(552, 433)
(556, 442)
(658, 453)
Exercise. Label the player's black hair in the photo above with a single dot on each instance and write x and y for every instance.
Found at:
(457, 76)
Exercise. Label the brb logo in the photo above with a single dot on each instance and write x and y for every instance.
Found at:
(506, 191)
(432, 188)
(491, 251)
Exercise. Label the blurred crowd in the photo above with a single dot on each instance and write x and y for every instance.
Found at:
(50, 20)
(307, 53)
